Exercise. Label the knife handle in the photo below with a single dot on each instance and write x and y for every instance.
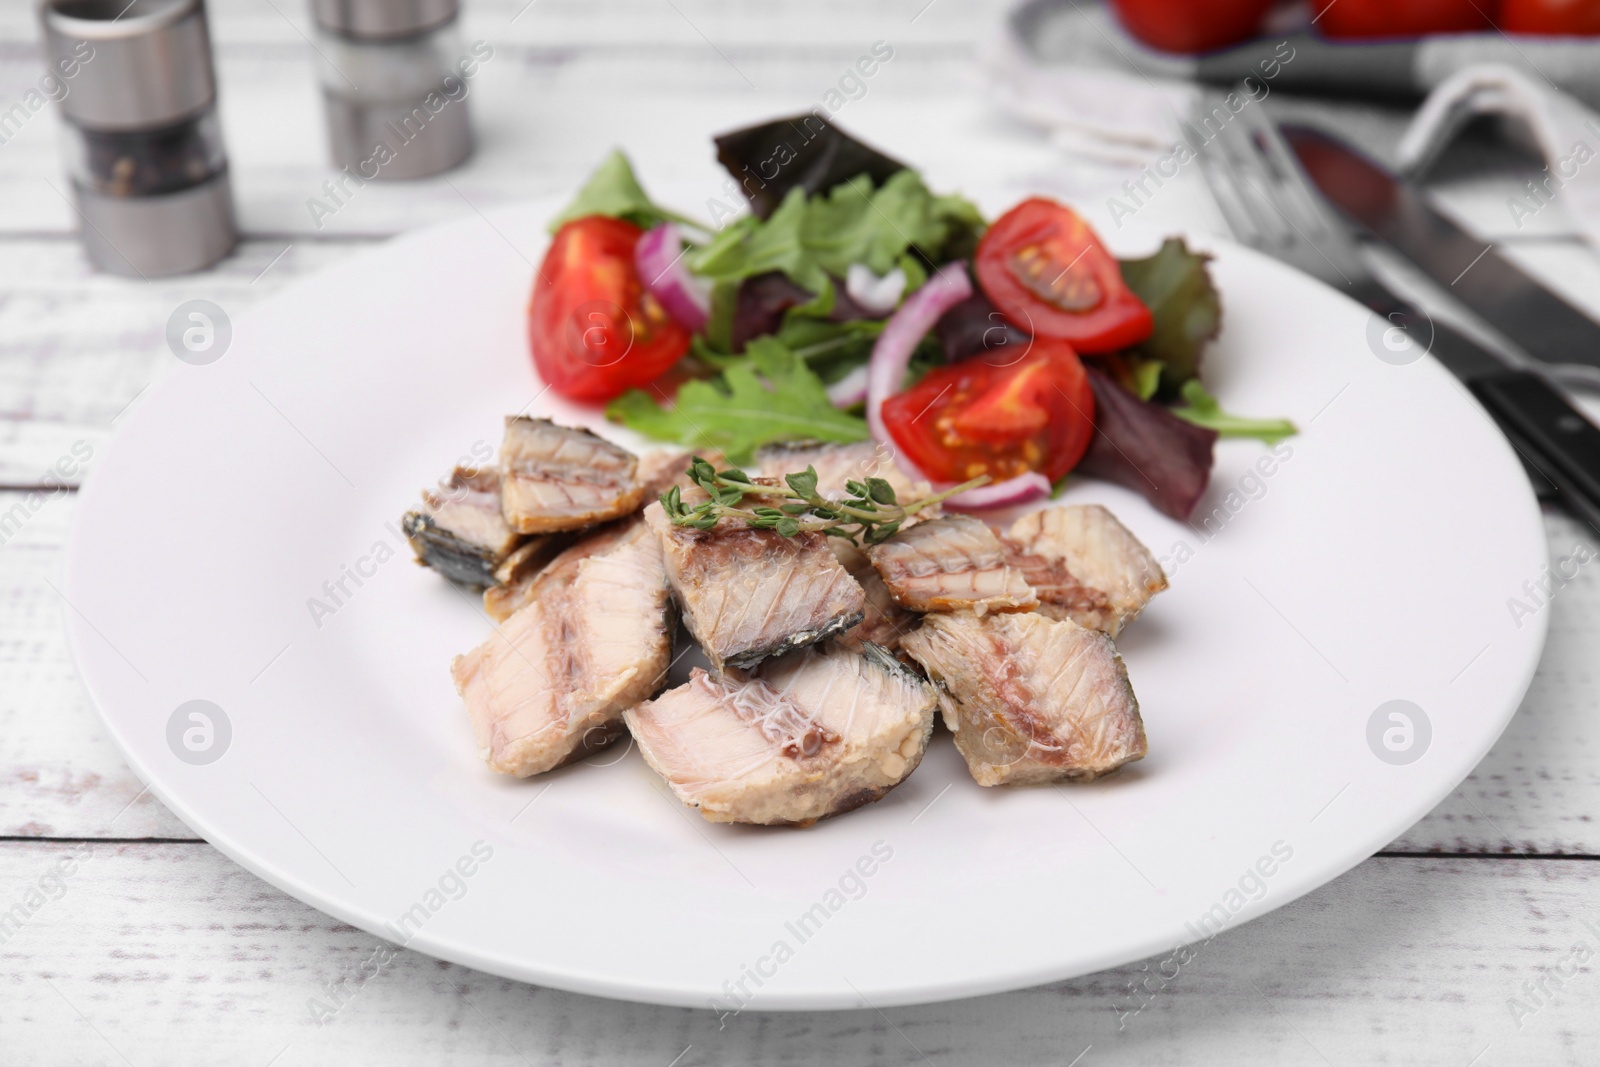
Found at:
(1555, 436)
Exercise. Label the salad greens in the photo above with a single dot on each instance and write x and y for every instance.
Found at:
(805, 152)
(815, 239)
(1145, 447)
(782, 327)
(613, 189)
(768, 395)
(1175, 285)
(1202, 409)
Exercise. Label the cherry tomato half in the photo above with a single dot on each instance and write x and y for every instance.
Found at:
(1191, 26)
(1578, 18)
(593, 329)
(1402, 18)
(1048, 273)
(985, 416)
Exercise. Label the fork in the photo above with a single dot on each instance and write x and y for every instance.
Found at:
(1270, 205)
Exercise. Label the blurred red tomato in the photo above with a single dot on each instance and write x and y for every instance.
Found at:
(1191, 25)
(1574, 17)
(1402, 18)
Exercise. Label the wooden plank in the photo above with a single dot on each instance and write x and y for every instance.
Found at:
(772, 24)
(77, 347)
(60, 776)
(171, 954)
(1536, 792)
(1538, 789)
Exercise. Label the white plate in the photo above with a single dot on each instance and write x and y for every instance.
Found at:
(1373, 564)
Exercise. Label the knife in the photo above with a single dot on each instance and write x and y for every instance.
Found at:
(1398, 214)
(1552, 436)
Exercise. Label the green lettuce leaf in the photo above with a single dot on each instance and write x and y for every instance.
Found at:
(810, 239)
(749, 246)
(613, 189)
(831, 349)
(1202, 409)
(769, 395)
(1175, 285)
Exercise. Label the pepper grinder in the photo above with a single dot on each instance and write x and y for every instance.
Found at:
(396, 102)
(143, 146)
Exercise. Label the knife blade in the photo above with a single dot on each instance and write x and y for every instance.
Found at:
(1536, 320)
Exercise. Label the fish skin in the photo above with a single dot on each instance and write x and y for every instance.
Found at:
(562, 478)
(553, 681)
(719, 577)
(459, 530)
(784, 746)
(1030, 699)
(952, 563)
(1086, 566)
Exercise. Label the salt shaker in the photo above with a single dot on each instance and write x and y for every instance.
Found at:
(143, 146)
(396, 101)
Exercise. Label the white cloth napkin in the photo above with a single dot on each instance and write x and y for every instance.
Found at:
(1559, 128)
(1102, 118)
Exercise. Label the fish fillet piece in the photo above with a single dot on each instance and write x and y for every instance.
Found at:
(1086, 566)
(560, 478)
(662, 468)
(1030, 699)
(953, 563)
(659, 470)
(747, 594)
(838, 464)
(814, 734)
(519, 572)
(883, 621)
(551, 684)
(459, 530)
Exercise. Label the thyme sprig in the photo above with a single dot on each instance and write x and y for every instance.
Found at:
(869, 513)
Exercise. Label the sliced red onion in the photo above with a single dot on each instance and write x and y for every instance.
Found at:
(876, 294)
(1006, 494)
(904, 330)
(659, 259)
(850, 390)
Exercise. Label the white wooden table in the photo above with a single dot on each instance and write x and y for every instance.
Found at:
(157, 950)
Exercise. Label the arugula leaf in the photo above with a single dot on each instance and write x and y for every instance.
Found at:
(719, 326)
(855, 223)
(750, 246)
(832, 349)
(1175, 285)
(963, 223)
(1203, 410)
(810, 239)
(771, 395)
(614, 190)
